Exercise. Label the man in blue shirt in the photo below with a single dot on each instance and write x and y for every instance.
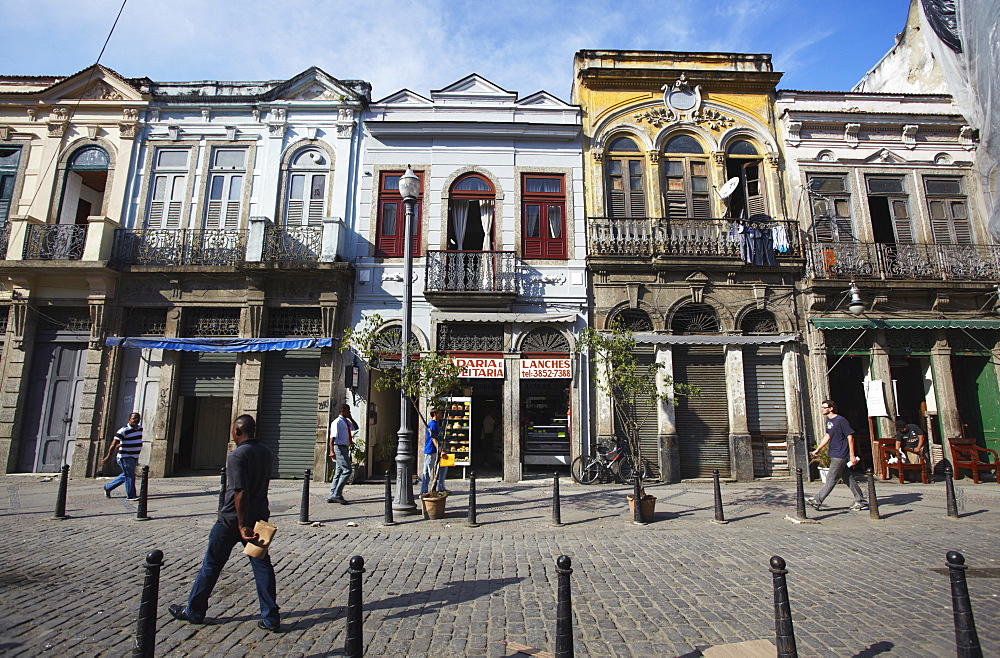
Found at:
(431, 447)
(840, 437)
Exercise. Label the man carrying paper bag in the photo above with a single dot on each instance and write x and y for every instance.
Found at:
(243, 518)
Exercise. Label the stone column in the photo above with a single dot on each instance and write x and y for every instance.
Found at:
(602, 405)
(885, 426)
(512, 414)
(740, 448)
(944, 392)
(670, 455)
(795, 399)
(161, 454)
(16, 369)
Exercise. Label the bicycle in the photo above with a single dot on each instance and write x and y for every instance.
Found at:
(587, 469)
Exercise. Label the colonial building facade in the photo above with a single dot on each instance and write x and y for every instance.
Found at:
(499, 271)
(690, 245)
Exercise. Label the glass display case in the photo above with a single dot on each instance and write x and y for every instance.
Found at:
(457, 431)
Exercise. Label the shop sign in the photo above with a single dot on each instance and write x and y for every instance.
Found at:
(545, 369)
(476, 367)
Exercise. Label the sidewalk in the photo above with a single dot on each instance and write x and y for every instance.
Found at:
(673, 587)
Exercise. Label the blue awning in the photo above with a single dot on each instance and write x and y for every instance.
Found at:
(219, 344)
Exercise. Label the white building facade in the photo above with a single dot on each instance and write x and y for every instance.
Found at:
(499, 270)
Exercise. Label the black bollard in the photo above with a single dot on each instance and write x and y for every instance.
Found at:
(783, 631)
(389, 520)
(471, 521)
(966, 639)
(304, 504)
(355, 646)
(719, 516)
(872, 498)
(564, 609)
(61, 495)
(800, 496)
(145, 628)
(142, 513)
(222, 488)
(949, 492)
(637, 501)
(556, 512)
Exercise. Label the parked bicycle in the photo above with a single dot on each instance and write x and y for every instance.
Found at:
(609, 462)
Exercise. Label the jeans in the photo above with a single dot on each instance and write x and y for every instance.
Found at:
(838, 469)
(221, 540)
(343, 470)
(127, 476)
(428, 470)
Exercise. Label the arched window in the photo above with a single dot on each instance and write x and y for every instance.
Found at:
(759, 322)
(545, 340)
(624, 178)
(685, 179)
(83, 187)
(305, 204)
(634, 319)
(695, 318)
(743, 161)
(470, 214)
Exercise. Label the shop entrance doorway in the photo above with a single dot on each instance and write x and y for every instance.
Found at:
(848, 391)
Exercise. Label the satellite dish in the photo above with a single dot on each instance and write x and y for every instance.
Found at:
(727, 190)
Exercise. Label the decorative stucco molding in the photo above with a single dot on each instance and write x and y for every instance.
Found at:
(910, 135)
(794, 129)
(967, 137)
(851, 134)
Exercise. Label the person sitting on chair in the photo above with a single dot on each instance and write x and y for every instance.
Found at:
(909, 442)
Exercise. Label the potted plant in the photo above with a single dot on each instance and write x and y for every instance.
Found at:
(358, 457)
(385, 453)
(822, 461)
(429, 376)
(629, 387)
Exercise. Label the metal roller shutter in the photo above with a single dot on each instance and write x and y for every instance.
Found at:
(207, 374)
(766, 413)
(288, 408)
(649, 440)
(703, 420)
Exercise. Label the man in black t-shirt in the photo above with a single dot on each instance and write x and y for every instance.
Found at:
(248, 475)
(840, 437)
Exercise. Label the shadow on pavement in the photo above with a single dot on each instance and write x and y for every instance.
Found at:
(875, 649)
(430, 600)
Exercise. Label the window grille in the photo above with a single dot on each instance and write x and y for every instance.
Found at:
(695, 319)
(289, 322)
(471, 337)
(545, 339)
(145, 321)
(634, 319)
(63, 319)
(759, 322)
(209, 322)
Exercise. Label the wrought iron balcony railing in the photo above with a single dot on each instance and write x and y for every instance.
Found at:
(865, 260)
(155, 246)
(649, 237)
(299, 244)
(471, 271)
(55, 242)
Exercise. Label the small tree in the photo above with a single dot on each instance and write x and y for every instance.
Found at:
(429, 376)
(627, 383)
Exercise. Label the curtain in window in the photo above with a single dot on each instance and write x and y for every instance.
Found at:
(459, 218)
(486, 214)
(555, 222)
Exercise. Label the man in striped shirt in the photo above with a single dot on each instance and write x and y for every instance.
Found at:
(128, 440)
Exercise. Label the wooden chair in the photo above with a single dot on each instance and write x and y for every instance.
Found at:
(965, 454)
(887, 449)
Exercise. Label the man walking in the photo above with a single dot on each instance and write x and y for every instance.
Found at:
(432, 447)
(128, 440)
(341, 440)
(840, 437)
(248, 471)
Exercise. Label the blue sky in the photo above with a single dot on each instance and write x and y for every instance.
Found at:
(520, 45)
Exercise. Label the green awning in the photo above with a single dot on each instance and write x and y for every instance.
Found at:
(865, 323)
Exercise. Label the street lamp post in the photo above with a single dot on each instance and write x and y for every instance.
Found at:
(406, 454)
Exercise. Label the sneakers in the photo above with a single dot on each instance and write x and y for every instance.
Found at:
(336, 499)
(107, 493)
(859, 507)
(815, 504)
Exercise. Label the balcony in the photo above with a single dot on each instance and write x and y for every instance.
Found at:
(861, 260)
(152, 247)
(471, 279)
(687, 238)
(55, 242)
(293, 244)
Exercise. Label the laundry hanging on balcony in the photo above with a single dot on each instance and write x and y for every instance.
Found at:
(219, 344)
(756, 243)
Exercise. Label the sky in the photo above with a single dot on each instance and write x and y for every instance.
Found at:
(521, 45)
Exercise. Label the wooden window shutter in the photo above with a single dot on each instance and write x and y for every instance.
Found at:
(901, 221)
(753, 189)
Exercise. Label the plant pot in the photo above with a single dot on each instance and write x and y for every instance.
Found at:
(647, 506)
(823, 472)
(433, 505)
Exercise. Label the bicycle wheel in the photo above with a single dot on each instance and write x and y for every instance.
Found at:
(626, 470)
(586, 469)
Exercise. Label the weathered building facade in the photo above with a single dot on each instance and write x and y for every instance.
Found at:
(705, 273)
(498, 261)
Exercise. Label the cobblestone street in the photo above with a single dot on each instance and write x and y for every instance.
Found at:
(680, 584)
